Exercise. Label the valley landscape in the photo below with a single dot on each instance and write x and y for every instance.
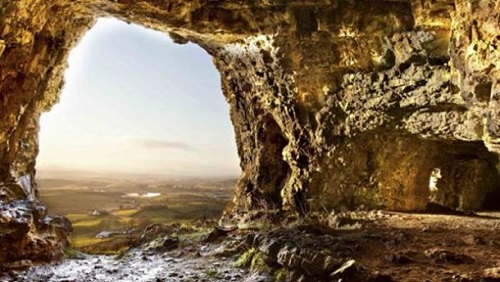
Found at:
(132, 227)
(108, 210)
(365, 137)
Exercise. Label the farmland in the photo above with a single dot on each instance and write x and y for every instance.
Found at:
(107, 212)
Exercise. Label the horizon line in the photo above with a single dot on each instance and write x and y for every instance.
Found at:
(57, 169)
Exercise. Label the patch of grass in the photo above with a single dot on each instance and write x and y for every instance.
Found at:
(282, 275)
(194, 236)
(113, 223)
(155, 211)
(211, 273)
(76, 217)
(83, 241)
(126, 213)
(86, 223)
(259, 263)
(253, 259)
(76, 201)
(180, 203)
(159, 220)
(257, 224)
(69, 253)
(246, 258)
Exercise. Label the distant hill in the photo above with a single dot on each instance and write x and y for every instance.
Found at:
(75, 174)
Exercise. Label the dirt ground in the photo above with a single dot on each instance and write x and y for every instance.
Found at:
(387, 246)
(428, 247)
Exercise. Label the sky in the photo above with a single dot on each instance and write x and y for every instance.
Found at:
(133, 101)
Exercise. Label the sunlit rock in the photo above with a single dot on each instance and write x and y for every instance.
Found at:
(334, 103)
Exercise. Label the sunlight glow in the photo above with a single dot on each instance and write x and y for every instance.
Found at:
(134, 101)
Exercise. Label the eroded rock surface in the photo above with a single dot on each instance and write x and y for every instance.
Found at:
(136, 267)
(28, 233)
(334, 102)
(377, 246)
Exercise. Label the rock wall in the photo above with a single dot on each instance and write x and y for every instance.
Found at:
(334, 102)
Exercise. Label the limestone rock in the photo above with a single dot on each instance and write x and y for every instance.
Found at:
(270, 248)
(163, 244)
(334, 103)
(216, 233)
(28, 233)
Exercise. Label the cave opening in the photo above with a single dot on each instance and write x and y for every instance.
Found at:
(433, 184)
(140, 136)
(465, 177)
(344, 109)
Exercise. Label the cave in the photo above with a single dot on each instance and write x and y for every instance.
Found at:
(342, 103)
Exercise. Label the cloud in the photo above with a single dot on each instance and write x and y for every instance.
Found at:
(149, 143)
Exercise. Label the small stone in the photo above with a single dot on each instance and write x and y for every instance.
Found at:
(347, 270)
(111, 270)
(473, 240)
(216, 233)
(288, 257)
(330, 264)
(19, 265)
(165, 243)
(400, 257)
(377, 277)
(491, 274)
(443, 256)
(271, 248)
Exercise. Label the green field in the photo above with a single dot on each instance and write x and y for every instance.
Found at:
(125, 217)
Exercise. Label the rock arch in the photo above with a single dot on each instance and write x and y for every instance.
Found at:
(357, 101)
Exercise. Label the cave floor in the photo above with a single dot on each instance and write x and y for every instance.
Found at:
(430, 247)
(136, 267)
(389, 246)
(377, 246)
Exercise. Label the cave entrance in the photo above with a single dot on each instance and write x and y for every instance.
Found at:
(141, 136)
(465, 177)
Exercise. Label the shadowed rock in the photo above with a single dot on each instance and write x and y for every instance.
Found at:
(334, 103)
